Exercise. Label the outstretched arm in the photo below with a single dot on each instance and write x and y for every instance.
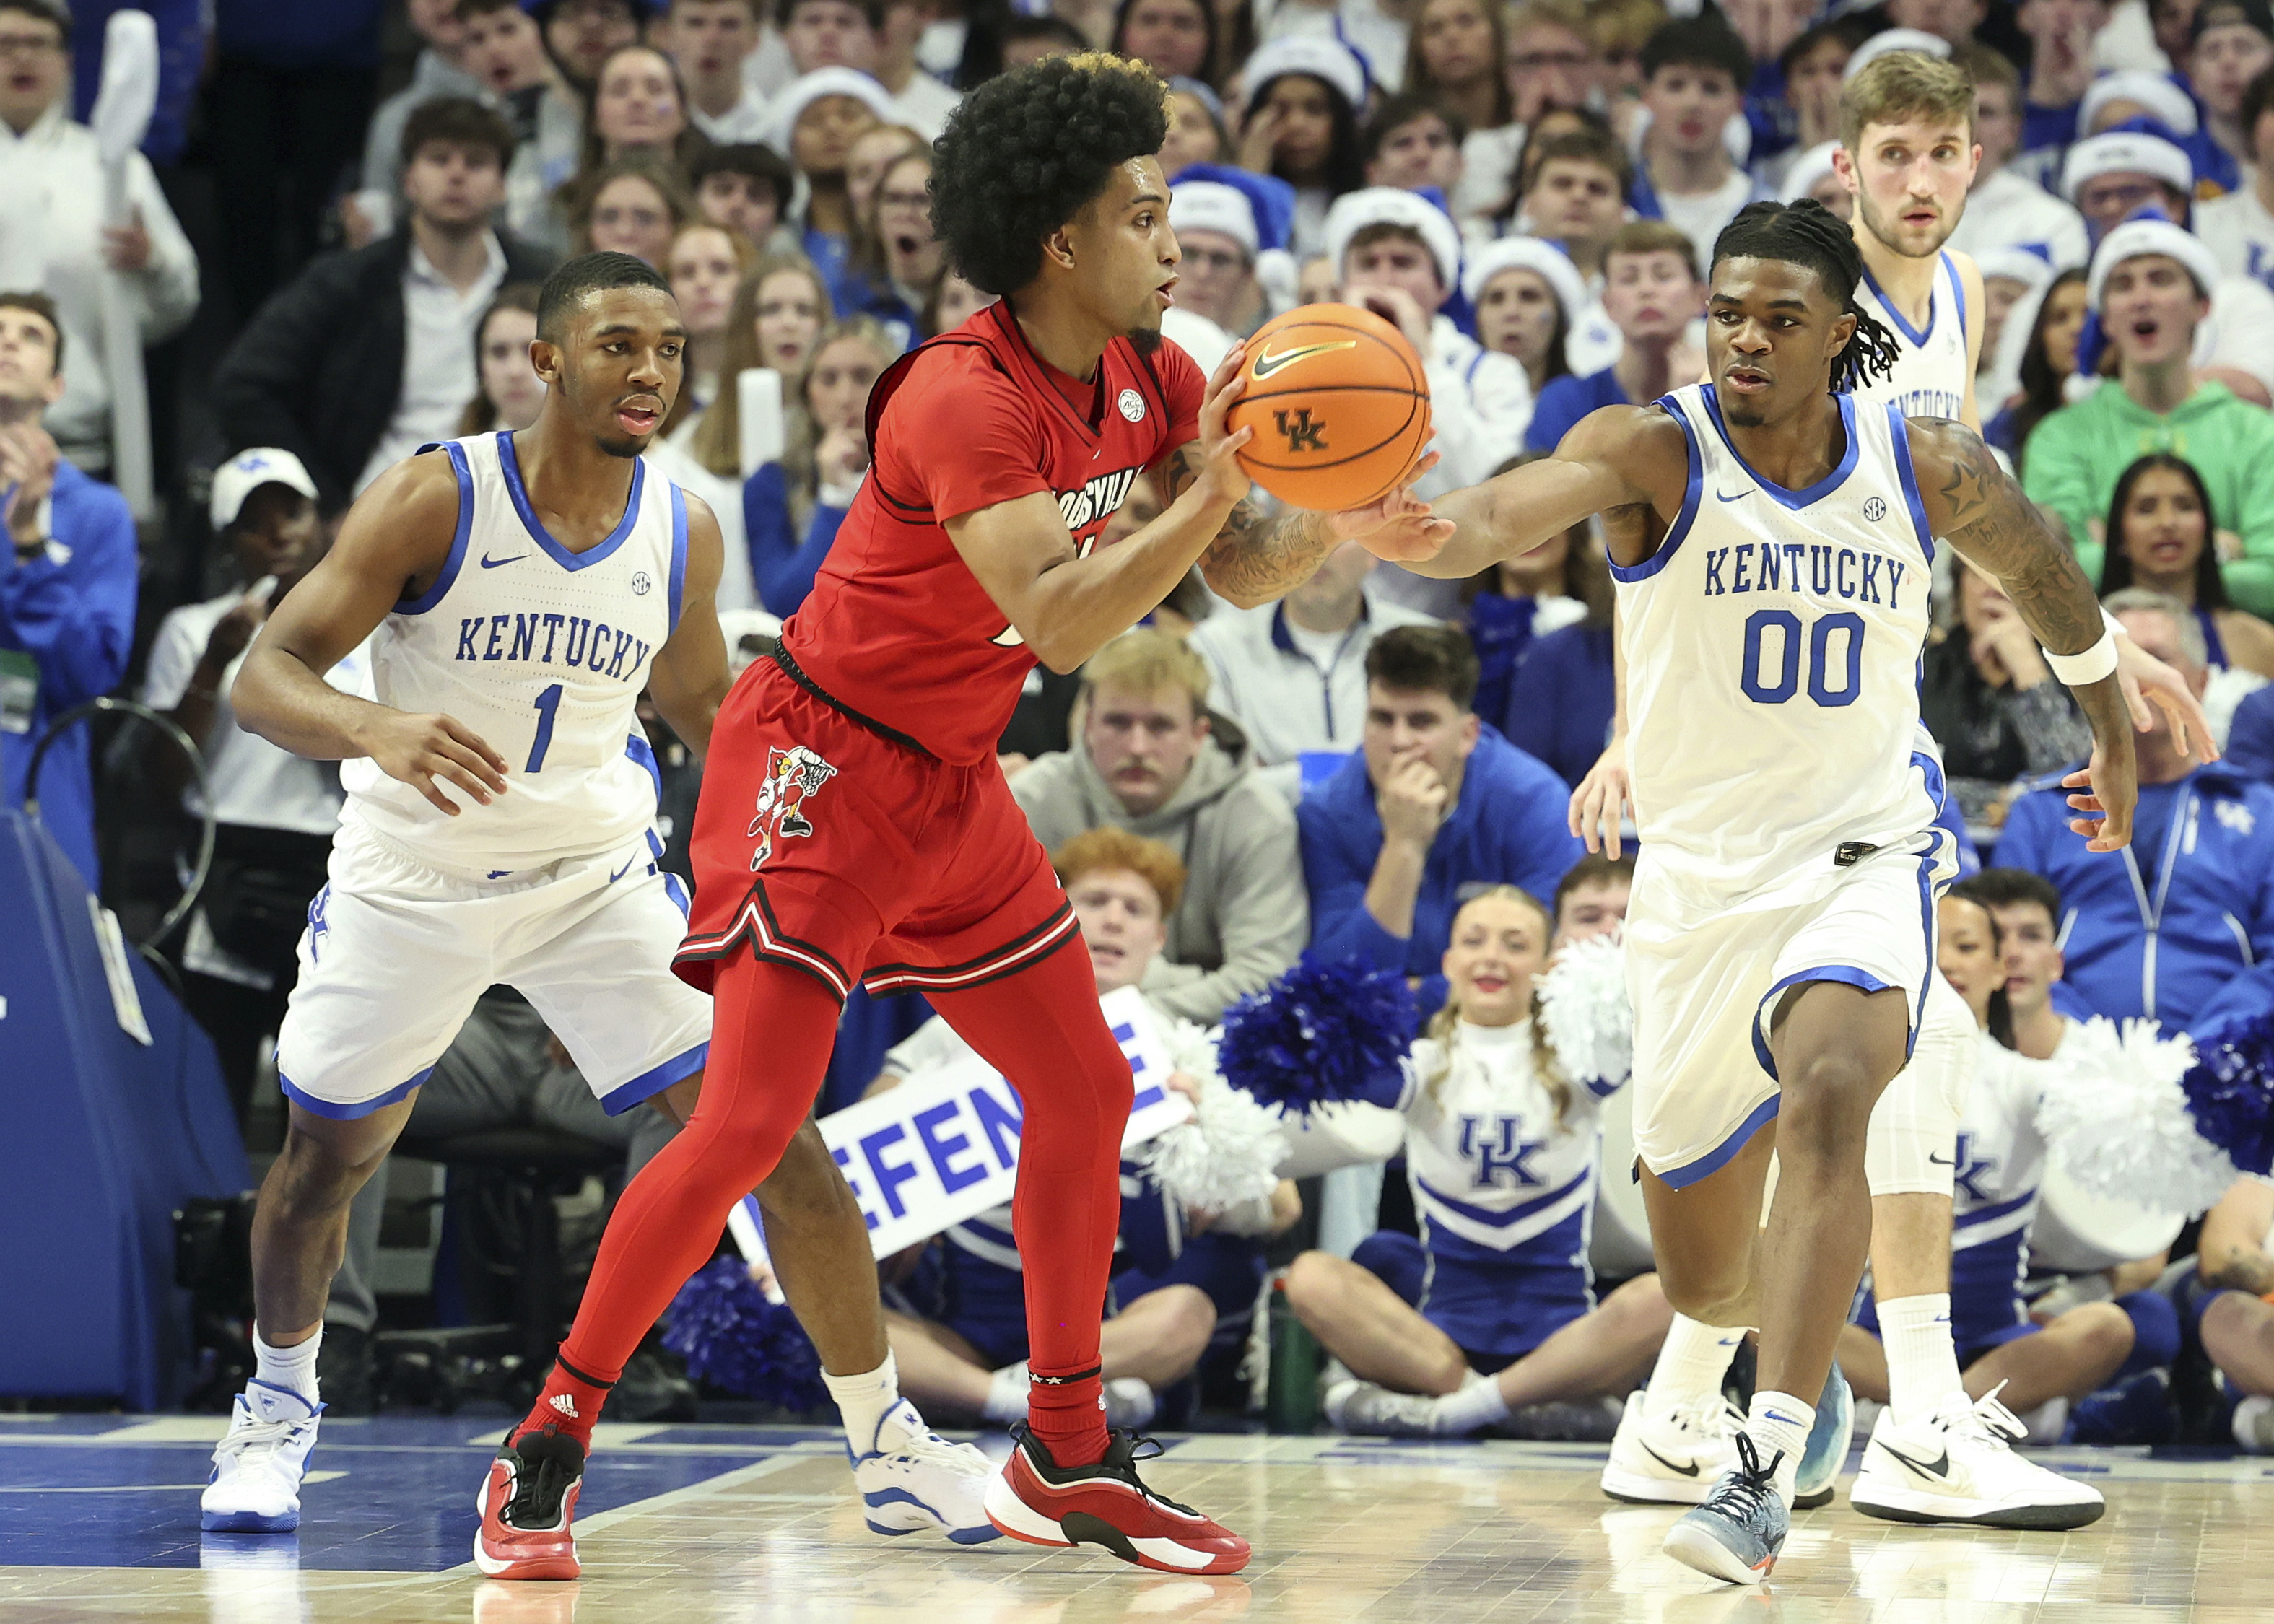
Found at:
(1615, 458)
(1973, 504)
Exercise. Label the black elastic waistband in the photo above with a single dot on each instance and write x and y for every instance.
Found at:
(795, 673)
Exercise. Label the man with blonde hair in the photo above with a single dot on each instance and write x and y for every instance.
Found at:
(1148, 761)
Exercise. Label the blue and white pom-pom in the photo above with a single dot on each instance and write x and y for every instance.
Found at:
(2163, 1120)
(732, 1338)
(1321, 1033)
(1583, 1003)
(1228, 1154)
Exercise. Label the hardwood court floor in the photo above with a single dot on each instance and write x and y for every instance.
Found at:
(756, 1526)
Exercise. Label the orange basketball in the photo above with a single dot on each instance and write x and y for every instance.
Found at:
(1339, 405)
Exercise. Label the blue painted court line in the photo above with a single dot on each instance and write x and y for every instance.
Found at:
(401, 1500)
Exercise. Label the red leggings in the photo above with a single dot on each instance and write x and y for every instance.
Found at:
(773, 1028)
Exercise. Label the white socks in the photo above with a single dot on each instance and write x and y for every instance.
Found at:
(1780, 1424)
(1690, 1363)
(293, 1368)
(1922, 1360)
(863, 1400)
(1006, 1395)
(1475, 1404)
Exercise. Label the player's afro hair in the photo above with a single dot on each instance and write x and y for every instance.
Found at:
(1026, 150)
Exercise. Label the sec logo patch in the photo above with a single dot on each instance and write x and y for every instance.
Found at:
(1132, 405)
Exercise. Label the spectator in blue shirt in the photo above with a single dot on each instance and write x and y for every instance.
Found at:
(1434, 804)
(1652, 294)
(66, 586)
(2161, 927)
(791, 509)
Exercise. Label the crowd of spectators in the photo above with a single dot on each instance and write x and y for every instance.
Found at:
(1530, 191)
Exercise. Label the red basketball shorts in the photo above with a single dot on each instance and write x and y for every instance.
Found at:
(823, 844)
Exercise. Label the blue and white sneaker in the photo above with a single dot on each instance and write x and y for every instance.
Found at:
(1826, 1450)
(911, 1479)
(255, 1486)
(1738, 1532)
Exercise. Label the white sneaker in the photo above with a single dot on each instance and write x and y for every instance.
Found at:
(1130, 1404)
(1371, 1408)
(255, 1486)
(911, 1479)
(1958, 1466)
(1672, 1459)
(2253, 1426)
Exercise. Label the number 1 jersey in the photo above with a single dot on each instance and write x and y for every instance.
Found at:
(1772, 647)
(541, 651)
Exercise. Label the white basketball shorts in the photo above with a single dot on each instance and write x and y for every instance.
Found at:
(1912, 1145)
(395, 952)
(1705, 974)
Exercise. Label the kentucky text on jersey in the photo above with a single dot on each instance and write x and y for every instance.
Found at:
(1808, 568)
(588, 645)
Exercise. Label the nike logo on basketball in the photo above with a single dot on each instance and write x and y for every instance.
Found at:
(1690, 1470)
(1269, 362)
(490, 563)
(567, 1406)
(1939, 1467)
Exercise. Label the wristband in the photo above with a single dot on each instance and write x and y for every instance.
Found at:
(2083, 670)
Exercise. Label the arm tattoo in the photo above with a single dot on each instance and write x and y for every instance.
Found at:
(1251, 557)
(1985, 517)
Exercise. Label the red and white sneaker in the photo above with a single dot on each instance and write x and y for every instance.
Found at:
(1032, 1498)
(527, 1503)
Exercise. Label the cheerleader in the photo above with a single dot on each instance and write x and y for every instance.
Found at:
(1493, 1308)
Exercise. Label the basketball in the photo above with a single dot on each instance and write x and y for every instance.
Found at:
(1339, 405)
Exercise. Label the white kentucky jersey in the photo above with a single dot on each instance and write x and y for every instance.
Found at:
(1497, 1177)
(1771, 647)
(1929, 376)
(541, 651)
(2001, 1166)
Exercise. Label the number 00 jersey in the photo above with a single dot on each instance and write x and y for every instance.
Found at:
(543, 653)
(1772, 647)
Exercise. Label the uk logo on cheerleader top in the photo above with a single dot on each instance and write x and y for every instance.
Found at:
(792, 776)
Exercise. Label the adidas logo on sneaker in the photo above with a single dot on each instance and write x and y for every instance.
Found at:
(566, 1405)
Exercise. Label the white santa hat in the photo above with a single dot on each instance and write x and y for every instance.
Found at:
(1888, 40)
(801, 94)
(1328, 60)
(1392, 205)
(1553, 266)
(2136, 237)
(2164, 101)
(1211, 206)
(2125, 152)
(1810, 167)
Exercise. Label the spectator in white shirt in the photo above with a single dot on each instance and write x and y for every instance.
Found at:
(369, 354)
(1292, 673)
(919, 101)
(1696, 71)
(2239, 228)
(52, 232)
(711, 39)
(505, 50)
(2005, 208)
(441, 69)
(276, 812)
(1398, 254)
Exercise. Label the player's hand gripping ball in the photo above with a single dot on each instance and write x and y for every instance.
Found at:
(1339, 405)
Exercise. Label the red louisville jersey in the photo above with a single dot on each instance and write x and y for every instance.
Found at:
(897, 627)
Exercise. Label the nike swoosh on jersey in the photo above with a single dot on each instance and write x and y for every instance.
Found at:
(1724, 496)
(1269, 362)
(1939, 1467)
(1690, 1470)
(1939, 1162)
(620, 873)
(490, 563)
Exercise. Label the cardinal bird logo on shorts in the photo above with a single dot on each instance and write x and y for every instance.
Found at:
(790, 775)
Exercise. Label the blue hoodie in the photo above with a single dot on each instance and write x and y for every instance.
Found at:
(1508, 827)
(2160, 927)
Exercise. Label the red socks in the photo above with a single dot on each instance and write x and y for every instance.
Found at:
(1068, 1413)
(569, 1404)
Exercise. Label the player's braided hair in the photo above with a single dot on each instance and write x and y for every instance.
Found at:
(1026, 150)
(1807, 233)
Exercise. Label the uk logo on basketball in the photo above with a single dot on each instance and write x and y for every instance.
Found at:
(792, 775)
